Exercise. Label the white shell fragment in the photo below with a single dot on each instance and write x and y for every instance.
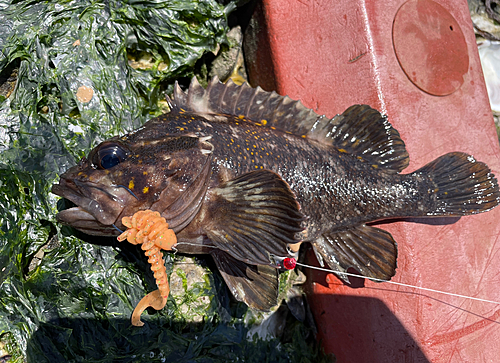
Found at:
(489, 52)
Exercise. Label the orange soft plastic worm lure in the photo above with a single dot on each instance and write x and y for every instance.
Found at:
(150, 230)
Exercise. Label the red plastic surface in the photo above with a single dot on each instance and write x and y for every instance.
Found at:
(332, 54)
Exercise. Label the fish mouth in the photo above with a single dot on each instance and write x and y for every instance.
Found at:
(85, 222)
(97, 210)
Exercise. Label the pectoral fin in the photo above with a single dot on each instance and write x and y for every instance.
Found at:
(254, 217)
(256, 286)
(371, 251)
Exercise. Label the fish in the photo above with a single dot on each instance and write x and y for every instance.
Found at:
(247, 176)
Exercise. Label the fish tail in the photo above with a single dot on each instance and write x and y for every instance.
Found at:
(459, 185)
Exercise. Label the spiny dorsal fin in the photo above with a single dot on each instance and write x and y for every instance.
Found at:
(361, 130)
(280, 112)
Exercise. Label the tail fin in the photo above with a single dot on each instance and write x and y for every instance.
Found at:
(462, 185)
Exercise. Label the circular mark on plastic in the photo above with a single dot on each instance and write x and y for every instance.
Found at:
(430, 47)
(84, 94)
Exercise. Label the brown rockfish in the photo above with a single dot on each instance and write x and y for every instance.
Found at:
(246, 176)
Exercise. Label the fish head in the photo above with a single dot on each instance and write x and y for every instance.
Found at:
(124, 175)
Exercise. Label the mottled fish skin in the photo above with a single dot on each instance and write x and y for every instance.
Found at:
(246, 176)
(333, 188)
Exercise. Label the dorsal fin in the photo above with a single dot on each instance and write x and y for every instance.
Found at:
(361, 130)
(280, 112)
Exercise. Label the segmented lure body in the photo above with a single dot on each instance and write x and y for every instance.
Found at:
(151, 231)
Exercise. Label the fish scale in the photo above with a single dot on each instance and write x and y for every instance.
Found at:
(355, 191)
(247, 176)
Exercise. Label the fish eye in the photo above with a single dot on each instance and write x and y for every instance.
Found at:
(109, 155)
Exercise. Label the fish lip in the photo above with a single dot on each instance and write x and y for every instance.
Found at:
(63, 187)
(102, 216)
(80, 219)
(68, 189)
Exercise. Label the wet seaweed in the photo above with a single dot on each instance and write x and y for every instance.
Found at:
(61, 297)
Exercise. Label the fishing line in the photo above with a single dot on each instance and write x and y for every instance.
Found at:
(194, 244)
(399, 284)
(289, 263)
(128, 190)
(118, 229)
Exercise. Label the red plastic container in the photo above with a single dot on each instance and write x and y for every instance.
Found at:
(417, 62)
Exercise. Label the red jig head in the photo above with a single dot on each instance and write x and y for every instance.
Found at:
(287, 263)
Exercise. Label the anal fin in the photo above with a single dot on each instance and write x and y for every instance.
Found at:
(255, 285)
(370, 250)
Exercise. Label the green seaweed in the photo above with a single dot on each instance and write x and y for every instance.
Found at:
(74, 302)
